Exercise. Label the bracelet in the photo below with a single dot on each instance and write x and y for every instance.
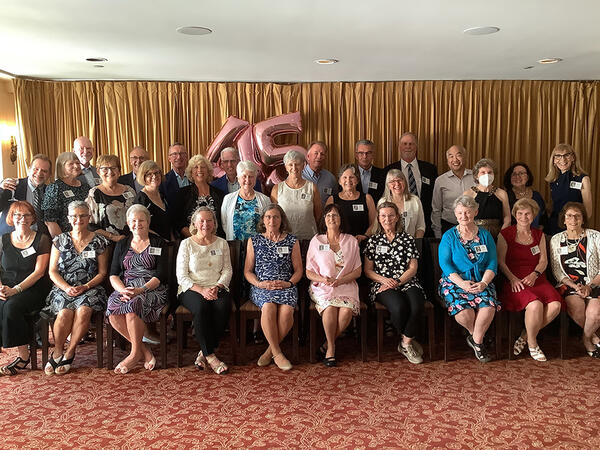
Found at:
(18, 288)
(87, 286)
(539, 274)
(145, 288)
(486, 284)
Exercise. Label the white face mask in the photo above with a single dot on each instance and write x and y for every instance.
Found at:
(486, 179)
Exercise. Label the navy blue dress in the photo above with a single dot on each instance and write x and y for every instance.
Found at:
(563, 190)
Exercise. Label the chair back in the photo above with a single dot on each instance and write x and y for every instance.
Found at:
(237, 265)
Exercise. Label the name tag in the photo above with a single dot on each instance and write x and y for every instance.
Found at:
(28, 252)
(382, 249)
(305, 196)
(88, 254)
(575, 185)
(563, 251)
(216, 252)
(372, 185)
(327, 191)
(407, 214)
(358, 207)
(283, 250)
(127, 195)
(425, 180)
(97, 181)
(155, 251)
(323, 247)
(481, 249)
(68, 193)
(535, 250)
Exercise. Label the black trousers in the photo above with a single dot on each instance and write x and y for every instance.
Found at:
(210, 318)
(446, 226)
(406, 309)
(15, 329)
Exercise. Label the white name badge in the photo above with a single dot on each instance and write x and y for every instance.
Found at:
(89, 254)
(68, 193)
(216, 252)
(305, 196)
(283, 250)
(358, 207)
(372, 185)
(535, 250)
(327, 191)
(382, 249)
(575, 185)
(97, 181)
(257, 210)
(425, 180)
(155, 251)
(563, 251)
(128, 195)
(323, 247)
(407, 214)
(28, 252)
(481, 248)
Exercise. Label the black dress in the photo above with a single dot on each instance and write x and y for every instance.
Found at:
(490, 215)
(356, 213)
(160, 221)
(188, 200)
(15, 266)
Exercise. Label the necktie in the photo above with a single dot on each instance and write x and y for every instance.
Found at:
(412, 184)
(365, 178)
(37, 207)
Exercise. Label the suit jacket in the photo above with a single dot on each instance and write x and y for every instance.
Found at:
(128, 180)
(377, 176)
(170, 187)
(428, 175)
(20, 194)
(83, 178)
(221, 184)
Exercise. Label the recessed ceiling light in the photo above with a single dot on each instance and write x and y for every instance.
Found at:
(98, 65)
(326, 61)
(479, 31)
(97, 59)
(549, 60)
(194, 31)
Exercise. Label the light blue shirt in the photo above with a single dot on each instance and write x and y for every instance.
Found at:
(365, 178)
(182, 181)
(325, 181)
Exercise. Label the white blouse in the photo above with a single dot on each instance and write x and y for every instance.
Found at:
(204, 265)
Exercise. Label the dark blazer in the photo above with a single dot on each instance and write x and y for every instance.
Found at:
(5, 194)
(127, 180)
(377, 176)
(185, 204)
(428, 175)
(170, 187)
(221, 184)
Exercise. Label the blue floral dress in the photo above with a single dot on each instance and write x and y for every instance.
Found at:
(273, 261)
(77, 269)
(245, 218)
(457, 299)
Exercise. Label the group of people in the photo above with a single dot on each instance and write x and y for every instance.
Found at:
(94, 222)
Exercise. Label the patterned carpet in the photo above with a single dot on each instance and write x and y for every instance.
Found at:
(461, 404)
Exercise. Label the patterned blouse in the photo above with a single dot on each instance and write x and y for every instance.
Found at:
(245, 218)
(109, 211)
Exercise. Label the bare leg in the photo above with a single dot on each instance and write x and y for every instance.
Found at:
(81, 324)
(135, 328)
(344, 318)
(63, 324)
(592, 322)
(534, 318)
(483, 321)
(576, 309)
(551, 312)
(119, 323)
(268, 322)
(23, 352)
(466, 318)
(330, 325)
(285, 320)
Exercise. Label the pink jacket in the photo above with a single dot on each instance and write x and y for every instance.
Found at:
(322, 262)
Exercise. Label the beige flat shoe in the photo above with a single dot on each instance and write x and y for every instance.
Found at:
(266, 358)
(282, 362)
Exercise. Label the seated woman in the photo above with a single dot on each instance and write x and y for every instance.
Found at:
(358, 208)
(333, 265)
(522, 258)
(150, 176)
(469, 263)
(78, 266)
(110, 200)
(241, 210)
(391, 262)
(575, 259)
(493, 210)
(409, 205)
(24, 256)
(138, 274)
(518, 180)
(204, 272)
(66, 189)
(273, 267)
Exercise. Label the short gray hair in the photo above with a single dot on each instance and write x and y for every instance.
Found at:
(363, 142)
(484, 162)
(246, 166)
(294, 155)
(466, 201)
(195, 215)
(137, 208)
(460, 148)
(349, 167)
(77, 204)
(231, 150)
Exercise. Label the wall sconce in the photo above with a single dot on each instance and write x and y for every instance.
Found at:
(7, 133)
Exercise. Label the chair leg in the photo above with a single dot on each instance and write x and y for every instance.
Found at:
(431, 332)
(295, 335)
(99, 340)
(110, 344)
(379, 334)
(233, 337)
(312, 340)
(243, 323)
(163, 341)
(446, 335)
(43, 326)
(564, 333)
(33, 347)
(363, 336)
(511, 323)
(180, 330)
(498, 326)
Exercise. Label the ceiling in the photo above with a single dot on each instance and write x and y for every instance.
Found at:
(277, 40)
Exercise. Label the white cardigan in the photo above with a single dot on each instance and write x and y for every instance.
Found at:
(228, 209)
(592, 258)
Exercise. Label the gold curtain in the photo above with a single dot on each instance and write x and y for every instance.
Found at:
(507, 121)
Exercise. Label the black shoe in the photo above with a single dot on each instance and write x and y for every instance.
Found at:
(330, 362)
(321, 352)
(479, 349)
(594, 353)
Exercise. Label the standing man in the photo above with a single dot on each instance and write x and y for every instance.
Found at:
(372, 179)
(30, 189)
(137, 156)
(228, 183)
(420, 175)
(175, 179)
(313, 171)
(84, 150)
(448, 186)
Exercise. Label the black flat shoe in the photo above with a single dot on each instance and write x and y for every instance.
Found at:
(330, 362)
(321, 352)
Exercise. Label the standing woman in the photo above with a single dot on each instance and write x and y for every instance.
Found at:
(274, 267)
(150, 176)
(409, 205)
(333, 265)
(518, 180)
(568, 183)
(494, 211)
(241, 210)
(78, 266)
(358, 208)
(110, 200)
(66, 189)
(299, 198)
(138, 274)
(23, 263)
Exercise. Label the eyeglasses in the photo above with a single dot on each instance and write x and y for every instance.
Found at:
(519, 174)
(152, 174)
(364, 153)
(573, 216)
(106, 169)
(562, 156)
(78, 216)
(387, 216)
(19, 216)
(332, 216)
(177, 154)
(396, 181)
(229, 161)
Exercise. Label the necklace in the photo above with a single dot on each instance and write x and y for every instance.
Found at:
(27, 238)
(524, 193)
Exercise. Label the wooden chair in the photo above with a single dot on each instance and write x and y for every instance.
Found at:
(35, 324)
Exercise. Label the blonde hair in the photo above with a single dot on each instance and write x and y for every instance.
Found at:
(195, 215)
(61, 160)
(144, 168)
(575, 169)
(195, 161)
(525, 203)
(394, 174)
(104, 160)
(376, 228)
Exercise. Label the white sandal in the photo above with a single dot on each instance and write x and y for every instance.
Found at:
(537, 354)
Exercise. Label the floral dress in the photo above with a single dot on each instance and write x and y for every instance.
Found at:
(77, 269)
(245, 218)
(109, 211)
(57, 197)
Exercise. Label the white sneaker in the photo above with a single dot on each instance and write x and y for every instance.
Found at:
(410, 353)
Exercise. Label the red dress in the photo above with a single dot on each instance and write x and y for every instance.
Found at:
(521, 261)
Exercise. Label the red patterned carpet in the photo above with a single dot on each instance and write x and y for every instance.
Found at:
(461, 404)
